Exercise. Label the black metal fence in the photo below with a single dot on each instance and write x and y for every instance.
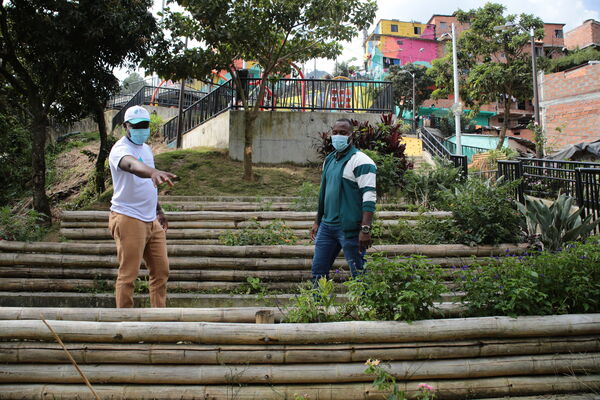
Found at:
(546, 178)
(433, 145)
(152, 95)
(321, 94)
(215, 102)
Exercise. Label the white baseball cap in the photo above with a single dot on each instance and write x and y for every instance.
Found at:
(136, 114)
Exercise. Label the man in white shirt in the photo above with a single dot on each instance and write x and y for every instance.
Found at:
(137, 222)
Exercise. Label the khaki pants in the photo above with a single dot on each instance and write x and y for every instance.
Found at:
(137, 240)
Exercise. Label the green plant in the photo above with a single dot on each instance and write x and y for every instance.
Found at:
(384, 380)
(24, 227)
(141, 285)
(396, 289)
(548, 282)
(308, 197)
(389, 172)
(313, 304)
(254, 286)
(255, 234)
(156, 122)
(170, 207)
(484, 212)
(427, 230)
(426, 188)
(558, 223)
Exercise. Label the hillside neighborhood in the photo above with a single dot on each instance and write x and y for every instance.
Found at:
(209, 199)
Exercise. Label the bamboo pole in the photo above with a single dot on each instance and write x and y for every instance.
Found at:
(445, 389)
(43, 284)
(104, 233)
(448, 250)
(242, 314)
(145, 353)
(302, 373)
(175, 198)
(247, 215)
(73, 362)
(335, 332)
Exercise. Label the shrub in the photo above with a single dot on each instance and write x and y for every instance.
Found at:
(20, 227)
(427, 188)
(396, 289)
(313, 304)
(566, 281)
(389, 172)
(557, 224)
(428, 230)
(308, 197)
(272, 234)
(484, 212)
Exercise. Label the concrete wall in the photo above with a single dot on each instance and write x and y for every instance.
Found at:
(212, 133)
(279, 137)
(570, 101)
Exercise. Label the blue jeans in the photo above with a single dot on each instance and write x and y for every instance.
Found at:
(328, 243)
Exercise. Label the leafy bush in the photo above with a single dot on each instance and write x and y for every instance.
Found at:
(272, 234)
(427, 230)
(557, 224)
(308, 197)
(15, 158)
(396, 289)
(427, 188)
(566, 281)
(389, 172)
(20, 227)
(484, 212)
(313, 304)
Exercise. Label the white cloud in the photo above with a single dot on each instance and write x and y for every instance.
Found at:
(570, 12)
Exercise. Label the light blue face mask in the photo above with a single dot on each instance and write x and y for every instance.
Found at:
(139, 136)
(339, 142)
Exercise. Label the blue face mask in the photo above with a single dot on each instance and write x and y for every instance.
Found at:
(139, 136)
(339, 142)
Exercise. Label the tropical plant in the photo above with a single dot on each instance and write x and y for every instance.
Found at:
(484, 212)
(558, 223)
(426, 188)
(313, 303)
(402, 84)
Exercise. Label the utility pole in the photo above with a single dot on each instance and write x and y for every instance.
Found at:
(536, 99)
(180, 111)
(457, 109)
(414, 114)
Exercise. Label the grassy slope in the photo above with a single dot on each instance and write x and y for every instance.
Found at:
(206, 172)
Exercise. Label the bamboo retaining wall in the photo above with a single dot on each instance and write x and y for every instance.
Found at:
(461, 358)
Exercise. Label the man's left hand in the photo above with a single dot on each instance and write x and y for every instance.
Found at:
(162, 219)
(364, 241)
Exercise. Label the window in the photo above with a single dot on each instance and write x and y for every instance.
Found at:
(417, 30)
(539, 52)
(399, 42)
(394, 28)
(558, 33)
(443, 26)
(517, 133)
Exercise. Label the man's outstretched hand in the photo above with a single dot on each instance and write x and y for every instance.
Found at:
(159, 177)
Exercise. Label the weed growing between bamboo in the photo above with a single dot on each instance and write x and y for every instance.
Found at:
(255, 234)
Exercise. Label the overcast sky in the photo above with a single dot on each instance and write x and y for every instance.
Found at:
(570, 12)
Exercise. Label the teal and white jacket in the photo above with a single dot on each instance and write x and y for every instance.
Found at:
(357, 191)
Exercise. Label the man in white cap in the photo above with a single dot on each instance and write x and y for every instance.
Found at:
(137, 222)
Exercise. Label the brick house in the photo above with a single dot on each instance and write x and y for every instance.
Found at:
(585, 35)
(570, 106)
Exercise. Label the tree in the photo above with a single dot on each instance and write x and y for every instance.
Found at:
(51, 52)
(494, 64)
(273, 33)
(133, 82)
(402, 84)
(343, 68)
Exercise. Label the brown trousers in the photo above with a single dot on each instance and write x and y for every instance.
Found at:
(137, 240)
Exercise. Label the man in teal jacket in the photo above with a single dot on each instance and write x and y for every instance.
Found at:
(346, 205)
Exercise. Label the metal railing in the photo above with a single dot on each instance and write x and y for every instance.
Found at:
(151, 95)
(436, 148)
(321, 94)
(468, 151)
(212, 104)
(546, 178)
